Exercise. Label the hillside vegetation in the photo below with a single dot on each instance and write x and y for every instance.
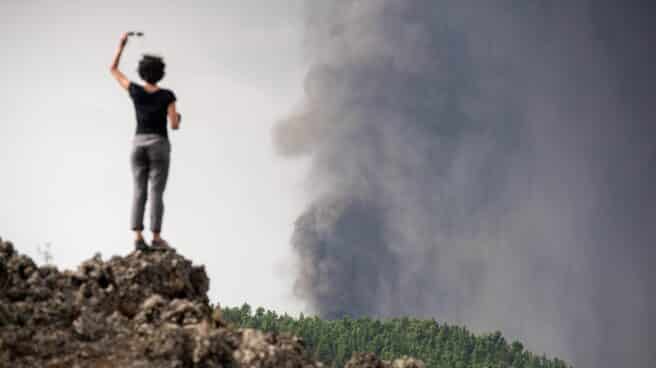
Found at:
(438, 345)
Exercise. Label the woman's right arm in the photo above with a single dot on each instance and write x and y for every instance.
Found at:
(113, 68)
(174, 116)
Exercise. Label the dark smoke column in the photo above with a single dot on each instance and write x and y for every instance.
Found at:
(347, 269)
(482, 162)
(385, 121)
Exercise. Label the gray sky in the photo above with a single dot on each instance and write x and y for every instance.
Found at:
(236, 68)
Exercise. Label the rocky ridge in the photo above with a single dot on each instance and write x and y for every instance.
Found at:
(147, 309)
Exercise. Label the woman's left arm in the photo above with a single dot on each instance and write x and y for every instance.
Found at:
(120, 77)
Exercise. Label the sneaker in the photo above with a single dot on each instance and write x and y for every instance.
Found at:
(140, 245)
(160, 244)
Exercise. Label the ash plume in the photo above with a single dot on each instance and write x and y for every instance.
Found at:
(482, 162)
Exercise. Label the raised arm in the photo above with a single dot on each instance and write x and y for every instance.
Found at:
(120, 77)
(174, 116)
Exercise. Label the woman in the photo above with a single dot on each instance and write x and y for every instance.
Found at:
(151, 148)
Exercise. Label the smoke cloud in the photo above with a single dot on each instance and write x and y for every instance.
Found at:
(488, 163)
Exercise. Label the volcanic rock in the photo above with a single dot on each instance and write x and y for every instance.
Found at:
(145, 310)
(370, 360)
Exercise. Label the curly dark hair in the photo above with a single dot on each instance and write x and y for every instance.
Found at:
(151, 68)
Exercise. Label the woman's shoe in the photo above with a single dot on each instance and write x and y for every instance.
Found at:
(141, 245)
(160, 244)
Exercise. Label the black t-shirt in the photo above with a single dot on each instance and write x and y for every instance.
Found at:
(151, 109)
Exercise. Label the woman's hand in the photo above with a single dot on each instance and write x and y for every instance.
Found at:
(124, 39)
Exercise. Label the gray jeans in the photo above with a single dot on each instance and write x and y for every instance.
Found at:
(150, 159)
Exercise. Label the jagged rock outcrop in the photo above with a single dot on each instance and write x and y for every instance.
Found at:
(147, 309)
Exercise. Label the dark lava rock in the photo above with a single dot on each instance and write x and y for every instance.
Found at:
(144, 310)
(370, 360)
(147, 309)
